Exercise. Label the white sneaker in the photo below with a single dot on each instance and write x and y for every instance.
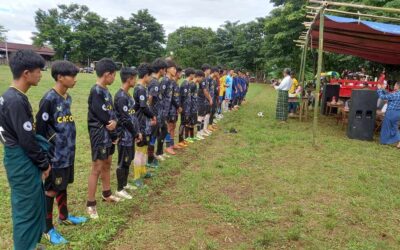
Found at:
(92, 211)
(200, 136)
(159, 157)
(166, 156)
(123, 194)
(130, 187)
(111, 198)
(207, 132)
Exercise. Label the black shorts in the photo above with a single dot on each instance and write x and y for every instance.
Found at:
(204, 109)
(126, 154)
(193, 120)
(185, 119)
(102, 153)
(59, 178)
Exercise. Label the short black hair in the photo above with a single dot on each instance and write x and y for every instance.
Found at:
(189, 71)
(144, 69)
(105, 65)
(214, 69)
(63, 68)
(127, 73)
(25, 60)
(199, 73)
(158, 65)
(178, 69)
(171, 64)
(205, 66)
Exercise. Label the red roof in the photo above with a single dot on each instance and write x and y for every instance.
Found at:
(12, 47)
(373, 41)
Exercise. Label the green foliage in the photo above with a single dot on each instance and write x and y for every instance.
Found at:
(3, 32)
(80, 35)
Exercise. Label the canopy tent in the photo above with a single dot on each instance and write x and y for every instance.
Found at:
(373, 41)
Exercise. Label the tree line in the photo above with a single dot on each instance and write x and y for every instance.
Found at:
(263, 46)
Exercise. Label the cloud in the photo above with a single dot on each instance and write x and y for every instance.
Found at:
(18, 15)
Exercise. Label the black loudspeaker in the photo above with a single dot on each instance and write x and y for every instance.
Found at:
(328, 92)
(362, 114)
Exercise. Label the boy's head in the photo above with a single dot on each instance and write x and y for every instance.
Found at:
(159, 66)
(206, 68)
(128, 76)
(64, 72)
(171, 68)
(190, 73)
(214, 71)
(199, 76)
(144, 71)
(178, 73)
(106, 68)
(27, 64)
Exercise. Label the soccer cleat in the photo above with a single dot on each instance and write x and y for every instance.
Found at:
(211, 128)
(111, 198)
(159, 157)
(123, 195)
(170, 150)
(138, 183)
(154, 165)
(130, 187)
(190, 140)
(177, 146)
(206, 133)
(182, 144)
(199, 136)
(92, 211)
(72, 220)
(55, 237)
(149, 175)
(166, 156)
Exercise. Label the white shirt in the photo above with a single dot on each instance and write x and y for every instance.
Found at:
(285, 84)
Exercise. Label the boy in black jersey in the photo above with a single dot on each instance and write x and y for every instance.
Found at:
(204, 103)
(171, 104)
(102, 123)
(185, 101)
(128, 128)
(25, 158)
(55, 122)
(159, 130)
(146, 118)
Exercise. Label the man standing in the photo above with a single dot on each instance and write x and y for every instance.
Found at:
(282, 107)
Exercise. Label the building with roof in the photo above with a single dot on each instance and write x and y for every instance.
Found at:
(46, 52)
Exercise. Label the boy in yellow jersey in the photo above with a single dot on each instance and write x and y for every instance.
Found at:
(221, 94)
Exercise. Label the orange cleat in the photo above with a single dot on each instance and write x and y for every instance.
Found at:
(170, 151)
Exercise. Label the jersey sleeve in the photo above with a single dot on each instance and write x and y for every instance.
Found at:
(141, 94)
(124, 119)
(23, 125)
(44, 120)
(176, 97)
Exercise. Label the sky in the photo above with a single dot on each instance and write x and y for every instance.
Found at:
(17, 16)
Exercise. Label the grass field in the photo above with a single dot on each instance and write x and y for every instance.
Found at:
(263, 188)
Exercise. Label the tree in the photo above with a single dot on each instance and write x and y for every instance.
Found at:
(3, 32)
(192, 46)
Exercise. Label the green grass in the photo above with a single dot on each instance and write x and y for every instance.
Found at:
(263, 188)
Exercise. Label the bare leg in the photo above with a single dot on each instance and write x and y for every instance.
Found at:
(105, 174)
(93, 178)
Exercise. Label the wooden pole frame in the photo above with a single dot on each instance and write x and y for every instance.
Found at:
(319, 68)
(357, 6)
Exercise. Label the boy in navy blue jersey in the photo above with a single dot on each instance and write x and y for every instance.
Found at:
(128, 128)
(204, 103)
(25, 153)
(102, 123)
(55, 122)
(186, 102)
(147, 120)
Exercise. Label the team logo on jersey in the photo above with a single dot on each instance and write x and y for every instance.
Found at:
(45, 116)
(104, 107)
(58, 181)
(164, 86)
(27, 126)
(106, 99)
(142, 98)
(126, 159)
(125, 108)
(156, 88)
(185, 90)
(1, 100)
(59, 108)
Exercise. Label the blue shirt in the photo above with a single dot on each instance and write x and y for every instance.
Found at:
(392, 98)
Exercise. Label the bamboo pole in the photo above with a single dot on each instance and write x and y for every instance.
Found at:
(319, 68)
(356, 6)
(303, 69)
(363, 15)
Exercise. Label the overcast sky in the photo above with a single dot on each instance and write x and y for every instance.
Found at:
(17, 16)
